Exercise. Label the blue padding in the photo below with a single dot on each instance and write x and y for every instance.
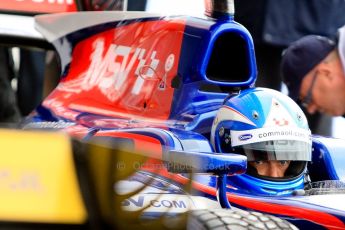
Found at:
(328, 159)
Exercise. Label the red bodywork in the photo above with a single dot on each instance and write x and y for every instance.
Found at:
(38, 6)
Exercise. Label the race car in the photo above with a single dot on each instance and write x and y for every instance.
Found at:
(177, 93)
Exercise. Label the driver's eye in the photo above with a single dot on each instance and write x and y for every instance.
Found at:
(283, 162)
(258, 162)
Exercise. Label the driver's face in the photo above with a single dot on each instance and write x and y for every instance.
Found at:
(270, 168)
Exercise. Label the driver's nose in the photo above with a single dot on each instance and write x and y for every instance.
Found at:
(275, 170)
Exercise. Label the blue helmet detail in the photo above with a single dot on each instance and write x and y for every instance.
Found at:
(253, 185)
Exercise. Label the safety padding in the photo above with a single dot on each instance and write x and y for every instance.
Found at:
(328, 159)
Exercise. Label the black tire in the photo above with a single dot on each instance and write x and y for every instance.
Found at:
(218, 219)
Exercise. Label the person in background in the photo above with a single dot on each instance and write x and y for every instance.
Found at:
(9, 111)
(30, 78)
(275, 24)
(314, 71)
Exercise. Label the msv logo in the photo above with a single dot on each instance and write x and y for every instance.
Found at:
(245, 137)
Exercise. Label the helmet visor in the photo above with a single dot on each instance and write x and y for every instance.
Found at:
(276, 150)
(273, 144)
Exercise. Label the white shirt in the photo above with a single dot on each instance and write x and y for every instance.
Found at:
(341, 46)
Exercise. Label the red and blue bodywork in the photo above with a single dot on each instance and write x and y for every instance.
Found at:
(156, 83)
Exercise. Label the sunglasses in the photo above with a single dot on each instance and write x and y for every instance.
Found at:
(305, 102)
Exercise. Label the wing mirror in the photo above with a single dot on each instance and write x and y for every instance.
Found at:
(218, 164)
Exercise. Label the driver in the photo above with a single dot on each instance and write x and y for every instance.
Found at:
(271, 130)
(270, 168)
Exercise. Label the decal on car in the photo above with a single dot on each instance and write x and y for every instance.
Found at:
(131, 72)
